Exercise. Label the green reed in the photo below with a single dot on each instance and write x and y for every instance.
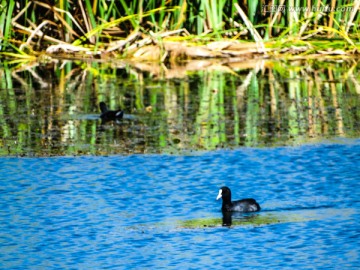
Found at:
(100, 22)
(6, 12)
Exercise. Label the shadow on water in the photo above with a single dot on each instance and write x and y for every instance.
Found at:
(52, 109)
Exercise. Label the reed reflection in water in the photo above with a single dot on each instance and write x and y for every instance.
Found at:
(53, 109)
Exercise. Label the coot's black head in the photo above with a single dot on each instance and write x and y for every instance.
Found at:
(225, 194)
(103, 107)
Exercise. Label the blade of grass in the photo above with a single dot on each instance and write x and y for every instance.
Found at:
(130, 14)
(116, 22)
(252, 6)
(5, 20)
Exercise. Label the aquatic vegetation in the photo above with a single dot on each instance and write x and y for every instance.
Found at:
(244, 220)
(266, 218)
(175, 30)
(250, 220)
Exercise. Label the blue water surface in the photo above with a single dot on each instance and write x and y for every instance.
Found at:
(125, 212)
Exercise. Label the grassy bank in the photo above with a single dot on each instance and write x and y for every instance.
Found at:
(174, 30)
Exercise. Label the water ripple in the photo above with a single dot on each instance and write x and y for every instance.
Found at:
(133, 212)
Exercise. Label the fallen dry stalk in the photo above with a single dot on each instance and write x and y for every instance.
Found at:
(258, 39)
(36, 31)
(62, 19)
(120, 44)
(30, 31)
(352, 15)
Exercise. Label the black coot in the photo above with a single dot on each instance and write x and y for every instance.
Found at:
(244, 205)
(107, 115)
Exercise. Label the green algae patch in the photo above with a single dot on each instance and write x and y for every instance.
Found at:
(264, 219)
(253, 220)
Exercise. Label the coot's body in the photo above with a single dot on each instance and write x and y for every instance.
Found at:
(244, 205)
(107, 115)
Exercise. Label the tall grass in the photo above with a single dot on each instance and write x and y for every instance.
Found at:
(98, 23)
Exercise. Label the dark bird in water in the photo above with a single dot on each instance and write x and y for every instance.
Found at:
(244, 205)
(108, 115)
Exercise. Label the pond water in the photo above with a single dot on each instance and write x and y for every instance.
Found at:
(53, 109)
(140, 193)
(160, 212)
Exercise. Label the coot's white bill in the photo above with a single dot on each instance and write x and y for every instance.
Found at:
(219, 195)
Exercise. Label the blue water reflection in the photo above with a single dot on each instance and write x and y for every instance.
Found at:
(124, 211)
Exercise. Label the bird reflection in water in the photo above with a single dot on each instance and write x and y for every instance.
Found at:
(228, 218)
